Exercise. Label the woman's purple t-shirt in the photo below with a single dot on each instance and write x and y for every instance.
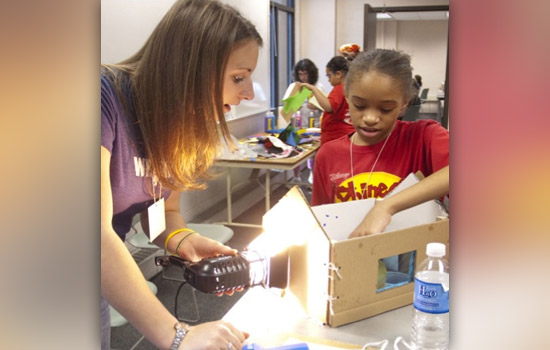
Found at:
(130, 177)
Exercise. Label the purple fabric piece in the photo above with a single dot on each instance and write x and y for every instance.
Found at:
(130, 177)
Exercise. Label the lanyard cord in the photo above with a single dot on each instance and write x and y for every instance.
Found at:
(154, 181)
(371, 170)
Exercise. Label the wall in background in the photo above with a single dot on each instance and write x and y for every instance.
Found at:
(350, 16)
(324, 25)
(126, 24)
(425, 41)
(316, 34)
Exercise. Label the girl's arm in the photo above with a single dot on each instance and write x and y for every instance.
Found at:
(432, 187)
(125, 288)
(120, 274)
(195, 247)
(321, 98)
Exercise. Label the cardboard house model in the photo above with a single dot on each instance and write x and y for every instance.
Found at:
(335, 278)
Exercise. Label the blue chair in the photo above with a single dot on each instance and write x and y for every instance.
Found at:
(424, 94)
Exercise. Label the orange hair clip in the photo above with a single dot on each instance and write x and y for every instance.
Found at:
(349, 48)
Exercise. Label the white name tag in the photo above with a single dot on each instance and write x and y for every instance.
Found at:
(157, 220)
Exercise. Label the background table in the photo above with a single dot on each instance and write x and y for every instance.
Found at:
(263, 163)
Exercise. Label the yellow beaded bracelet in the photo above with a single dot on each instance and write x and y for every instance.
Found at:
(186, 229)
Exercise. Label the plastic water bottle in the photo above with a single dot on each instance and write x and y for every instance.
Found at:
(269, 122)
(311, 120)
(430, 326)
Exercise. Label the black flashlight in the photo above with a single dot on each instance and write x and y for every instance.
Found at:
(228, 272)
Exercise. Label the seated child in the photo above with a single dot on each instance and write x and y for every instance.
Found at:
(382, 151)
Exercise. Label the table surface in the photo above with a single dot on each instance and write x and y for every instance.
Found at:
(271, 320)
(288, 163)
(268, 164)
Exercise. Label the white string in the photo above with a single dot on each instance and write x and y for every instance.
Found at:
(398, 340)
(371, 170)
(380, 344)
(334, 268)
(330, 299)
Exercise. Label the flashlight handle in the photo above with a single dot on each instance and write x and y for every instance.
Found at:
(219, 274)
(167, 260)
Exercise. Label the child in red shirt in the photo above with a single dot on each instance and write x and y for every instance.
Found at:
(383, 150)
(335, 122)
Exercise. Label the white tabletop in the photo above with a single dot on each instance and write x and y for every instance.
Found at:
(271, 319)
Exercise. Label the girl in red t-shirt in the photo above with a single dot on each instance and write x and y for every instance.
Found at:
(382, 150)
(335, 121)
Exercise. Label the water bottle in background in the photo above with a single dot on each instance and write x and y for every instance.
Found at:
(430, 326)
(269, 122)
(311, 120)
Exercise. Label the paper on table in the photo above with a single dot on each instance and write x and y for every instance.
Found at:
(236, 151)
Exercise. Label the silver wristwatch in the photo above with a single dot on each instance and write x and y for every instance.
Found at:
(178, 338)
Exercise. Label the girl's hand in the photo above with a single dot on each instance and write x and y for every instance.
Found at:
(197, 247)
(307, 85)
(375, 221)
(213, 336)
(432, 187)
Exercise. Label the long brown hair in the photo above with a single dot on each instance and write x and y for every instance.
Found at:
(177, 88)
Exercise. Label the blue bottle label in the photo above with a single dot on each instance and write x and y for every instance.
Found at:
(269, 123)
(430, 297)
